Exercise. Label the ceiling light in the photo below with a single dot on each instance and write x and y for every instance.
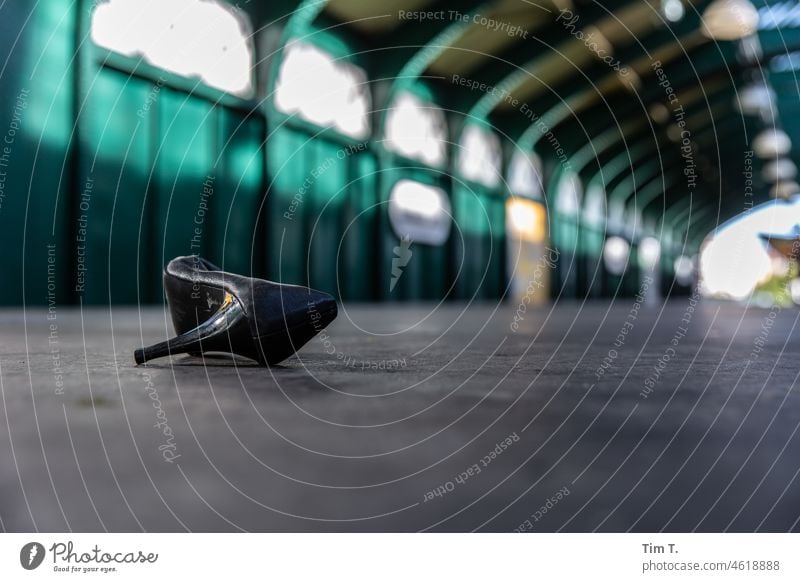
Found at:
(729, 19)
(649, 253)
(757, 99)
(659, 113)
(674, 133)
(684, 270)
(771, 143)
(615, 254)
(780, 170)
(672, 10)
(785, 190)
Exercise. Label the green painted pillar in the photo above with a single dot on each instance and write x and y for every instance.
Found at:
(36, 122)
(115, 192)
(356, 266)
(187, 177)
(289, 193)
(237, 244)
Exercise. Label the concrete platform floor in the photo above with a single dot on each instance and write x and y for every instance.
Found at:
(409, 418)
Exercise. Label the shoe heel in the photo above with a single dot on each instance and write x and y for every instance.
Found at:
(212, 332)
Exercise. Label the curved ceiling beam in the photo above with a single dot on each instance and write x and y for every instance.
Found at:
(668, 168)
(645, 102)
(669, 184)
(653, 187)
(572, 106)
(602, 143)
(699, 124)
(710, 67)
(644, 126)
(709, 225)
(676, 220)
(428, 53)
(589, 39)
(608, 174)
(627, 188)
(413, 52)
(456, 30)
(565, 106)
(301, 19)
(651, 191)
(615, 29)
(692, 220)
(611, 173)
(679, 191)
(642, 174)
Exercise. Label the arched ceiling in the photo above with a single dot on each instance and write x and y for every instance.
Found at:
(614, 117)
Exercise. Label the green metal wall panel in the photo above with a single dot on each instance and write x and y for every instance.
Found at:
(495, 282)
(356, 261)
(592, 259)
(115, 154)
(36, 118)
(475, 242)
(566, 237)
(289, 190)
(184, 167)
(177, 177)
(322, 203)
(237, 244)
(324, 220)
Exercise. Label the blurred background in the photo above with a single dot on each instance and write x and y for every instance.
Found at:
(399, 150)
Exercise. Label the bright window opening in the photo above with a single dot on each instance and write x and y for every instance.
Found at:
(322, 90)
(479, 156)
(528, 258)
(569, 194)
(526, 219)
(615, 254)
(649, 253)
(191, 38)
(417, 130)
(419, 212)
(735, 261)
(684, 270)
(525, 175)
(594, 212)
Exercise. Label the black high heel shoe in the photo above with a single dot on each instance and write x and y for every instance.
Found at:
(215, 311)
